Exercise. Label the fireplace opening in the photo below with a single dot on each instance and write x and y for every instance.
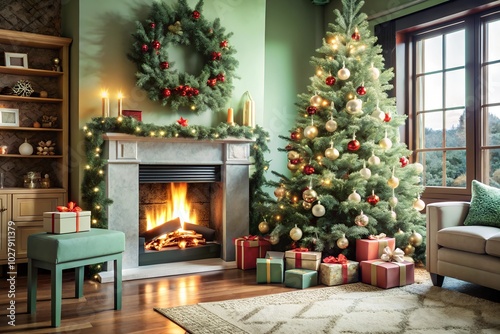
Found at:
(180, 211)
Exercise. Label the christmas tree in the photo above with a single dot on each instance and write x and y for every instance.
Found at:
(351, 177)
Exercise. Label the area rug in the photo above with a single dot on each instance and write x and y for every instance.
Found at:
(350, 308)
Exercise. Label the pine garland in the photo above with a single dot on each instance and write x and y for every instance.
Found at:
(180, 25)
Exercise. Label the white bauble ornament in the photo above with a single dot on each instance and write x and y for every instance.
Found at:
(311, 131)
(292, 155)
(399, 233)
(306, 205)
(332, 153)
(343, 73)
(274, 239)
(280, 192)
(393, 215)
(378, 114)
(295, 233)
(318, 210)
(416, 239)
(393, 182)
(361, 219)
(418, 204)
(375, 72)
(393, 201)
(316, 100)
(354, 197)
(373, 160)
(354, 106)
(365, 172)
(26, 148)
(263, 227)
(342, 242)
(309, 195)
(385, 143)
(331, 126)
(418, 167)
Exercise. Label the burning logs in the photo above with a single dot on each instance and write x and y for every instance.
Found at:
(180, 238)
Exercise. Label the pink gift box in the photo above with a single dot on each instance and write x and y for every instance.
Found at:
(387, 274)
(248, 249)
(368, 249)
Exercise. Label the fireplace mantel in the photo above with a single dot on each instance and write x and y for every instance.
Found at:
(124, 153)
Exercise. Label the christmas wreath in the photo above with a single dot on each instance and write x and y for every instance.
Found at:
(157, 75)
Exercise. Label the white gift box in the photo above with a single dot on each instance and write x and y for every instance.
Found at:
(66, 222)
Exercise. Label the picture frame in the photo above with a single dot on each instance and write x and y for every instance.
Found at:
(9, 117)
(16, 59)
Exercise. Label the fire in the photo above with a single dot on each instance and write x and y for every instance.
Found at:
(177, 206)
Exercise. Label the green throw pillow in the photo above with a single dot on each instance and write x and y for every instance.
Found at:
(484, 206)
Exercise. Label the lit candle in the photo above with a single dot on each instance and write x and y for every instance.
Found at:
(105, 104)
(120, 100)
(230, 118)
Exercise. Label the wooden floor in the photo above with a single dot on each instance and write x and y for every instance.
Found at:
(94, 312)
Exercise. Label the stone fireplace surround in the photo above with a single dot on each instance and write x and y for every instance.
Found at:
(124, 154)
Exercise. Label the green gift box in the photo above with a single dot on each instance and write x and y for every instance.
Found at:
(270, 270)
(301, 278)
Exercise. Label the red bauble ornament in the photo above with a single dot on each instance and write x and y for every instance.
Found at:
(182, 122)
(330, 81)
(144, 48)
(196, 15)
(361, 90)
(195, 91)
(156, 45)
(404, 161)
(224, 44)
(288, 147)
(311, 110)
(216, 55)
(295, 161)
(221, 77)
(164, 65)
(387, 117)
(152, 25)
(353, 145)
(308, 170)
(166, 92)
(295, 135)
(356, 36)
(373, 199)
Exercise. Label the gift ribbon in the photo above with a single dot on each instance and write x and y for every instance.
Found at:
(77, 221)
(376, 237)
(268, 270)
(402, 272)
(298, 260)
(392, 256)
(53, 222)
(71, 207)
(382, 244)
(342, 260)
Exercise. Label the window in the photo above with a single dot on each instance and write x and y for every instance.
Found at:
(452, 93)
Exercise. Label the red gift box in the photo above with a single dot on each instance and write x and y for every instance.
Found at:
(248, 249)
(371, 249)
(387, 274)
(137, 114)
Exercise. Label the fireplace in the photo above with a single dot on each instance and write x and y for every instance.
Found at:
(222, 166)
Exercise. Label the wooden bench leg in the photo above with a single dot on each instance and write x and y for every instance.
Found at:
(79, 271)
(56, 296)
(32, 286)
(118, 282)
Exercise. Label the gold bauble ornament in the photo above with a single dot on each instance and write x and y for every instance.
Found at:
(416, 239)
(342, 242)
(418, 204)
(399, 232)
(393, 182)
(295, 233)
(263, 227)
(311, 132)
(292, 167)
(409, 250)
(332, 153)
(292, 155)
(318, 210)
(280, 192)
(274, 239)
(307, 205)
(331, 125)
(309, 195)
(354, 197)
(316, 100)
(361, 219)
(354, 106)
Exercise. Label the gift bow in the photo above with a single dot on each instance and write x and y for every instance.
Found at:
(341, 259)
(251, 237)
(393, 256)
(376, 237)
(72, 207)
(301, 249)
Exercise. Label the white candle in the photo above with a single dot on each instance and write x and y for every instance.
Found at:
(249, 111)
(230, 117)
(120, 103)
(105, 104)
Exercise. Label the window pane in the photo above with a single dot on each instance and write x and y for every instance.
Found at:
(492, 74)
(456, 168)
(493, 47)
(491, 127)
(455, 128)
(491, 167)
(430, 92)
(430, 53)
(433, 168)
(432, 124)
(455, 88)
(455, 49)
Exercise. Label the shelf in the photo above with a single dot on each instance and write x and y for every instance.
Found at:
(29, 72)
(29, 99)
(23, 128)
(33, 156)
(12, 190)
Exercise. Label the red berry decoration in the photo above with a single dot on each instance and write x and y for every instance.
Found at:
(404, 161)
(152, 25)
(311, 110)
(224, 44)
(361, 90)
(353, 145)
(166, 92)
(164, 65)
(216, 55)
(144, 48)
(156, 45)
(387, 117)
(212, 82)
(221, 77)
(308, 170)
(196, 15)
(373, 199)
(330, 81)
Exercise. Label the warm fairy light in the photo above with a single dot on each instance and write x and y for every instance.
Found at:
(94, 221)
(85, 128)
(137, 129)
(176, 135)
(325, 103)
(193, 131)
(266, 167)
(278, 217)
(295, 199)
(96, 189)
(152, 134)
(319, 72)
(87, 167)
(119, 119)
(350, 96)
(193, 107)
(89, 134)
(98, 149)
(216, 135)
(282, 206)
(101, 172)
(97, 155)
(326, 181)
(98, 207)
(162, 133)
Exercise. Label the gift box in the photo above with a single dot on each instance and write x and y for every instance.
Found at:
(371, 249)
(270, 270)
(66, 222)
(248, 249)
(300, 258)
(301, 278)
(337, 271)
(137, 114)
(387, 274)
(275, 255)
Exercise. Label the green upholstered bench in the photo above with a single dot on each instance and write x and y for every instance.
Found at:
(56, 252)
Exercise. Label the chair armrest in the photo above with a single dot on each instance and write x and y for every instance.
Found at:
(439, 216)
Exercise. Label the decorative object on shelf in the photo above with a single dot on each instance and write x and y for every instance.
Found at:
(36, 124)
(230, 116)
(248, 110)
(181, 25)
(56, 64)
(49, 121)
(44, 94)
(3, 149)
(9, 117)
(45, 182)
(16, 59)
(6, 91)
(137, 114)
(32, 180)
(26, 148)
(46, 148)
(23, 88)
